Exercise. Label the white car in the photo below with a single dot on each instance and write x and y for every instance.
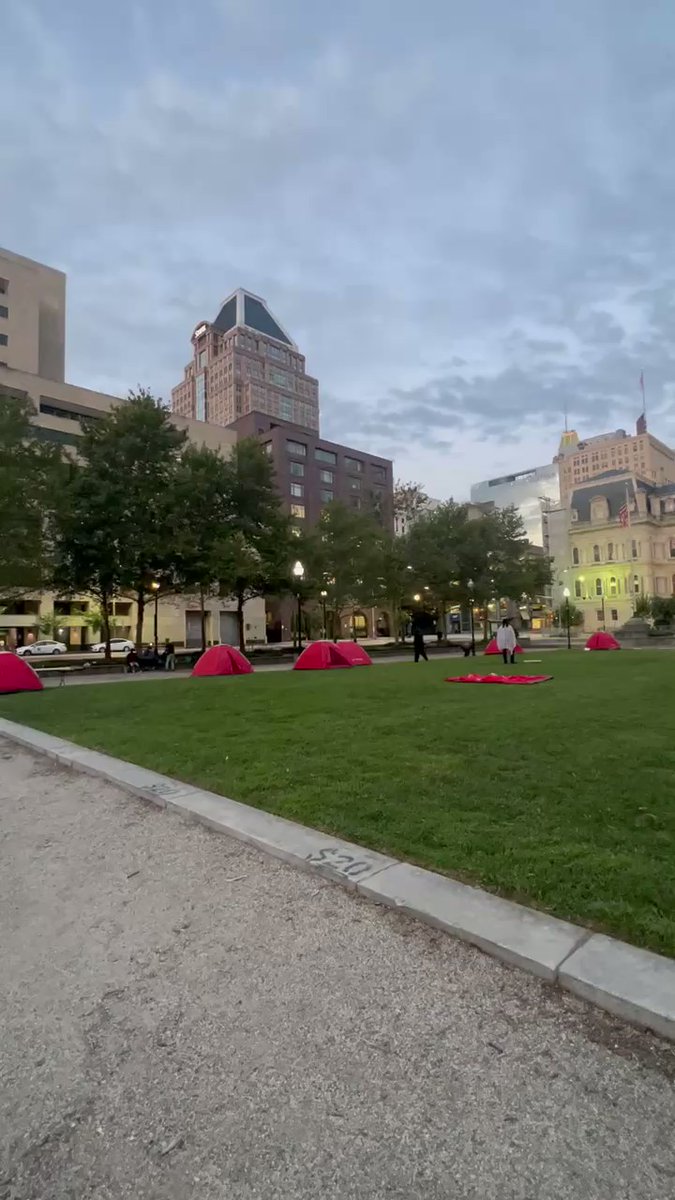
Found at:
(42, 648)
(117, 645)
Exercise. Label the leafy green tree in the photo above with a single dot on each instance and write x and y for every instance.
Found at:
(32, 474)
(389, 580)
(339, 554)
(576, 617)
(254, 558)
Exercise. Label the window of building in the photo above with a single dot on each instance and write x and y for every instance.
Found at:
(600, 615)
(298, 489)
(4, 311)
(326, 496)
(298, 510)
(269, 450)
(672, 547)
(353, 464)
(355, 485)
(122, 608)
(610, 552)
(599, 509)
(598, 587)
(202, 358)
(297, 469)
(661, 585)
(634, 549)
(636, 583)
(614, 614)
(596, 554)
(613, 586)
(379, 473)
(4, 286)
(297, 448)
(3, 339)
(327, 477)
(577, 589)
(327, 456)
(575, 556)
(200, 394)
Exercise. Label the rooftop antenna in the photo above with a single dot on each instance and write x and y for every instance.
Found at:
(565, 415)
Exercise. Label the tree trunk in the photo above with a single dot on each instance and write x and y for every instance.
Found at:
(202, 618)
(240, 620)
(444, 623)
(140, 613)
(105, 625)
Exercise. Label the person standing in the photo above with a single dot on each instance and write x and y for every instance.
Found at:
(418, 642)
(169, 656)
(507, 642)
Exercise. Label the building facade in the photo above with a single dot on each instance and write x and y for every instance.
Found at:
(530, 492)
(640, 453)
(245, 362)
(32, 317)
(621, 546)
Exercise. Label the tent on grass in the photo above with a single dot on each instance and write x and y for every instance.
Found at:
(492, 648)
(222, 660)
(355, 654)
(16, 675)
(602, 641)
(516, 679)
(321, 656)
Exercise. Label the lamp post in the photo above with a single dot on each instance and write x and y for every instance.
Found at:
(473, 632)
(324, 631)
(566, 594)
(155, 587)
(299, 575)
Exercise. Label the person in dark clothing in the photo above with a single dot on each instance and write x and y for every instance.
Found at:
(418, 642)
(169, 656)
(132, 663)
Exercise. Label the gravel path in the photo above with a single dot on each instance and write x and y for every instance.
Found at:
(181, 1018)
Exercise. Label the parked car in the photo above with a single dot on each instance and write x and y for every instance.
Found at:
(42, 648)
(117, 645)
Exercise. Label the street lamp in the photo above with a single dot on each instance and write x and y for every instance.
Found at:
(473, 632)
(566, 594)
(155, 588)
(417, 597)
(299, 575)
(324, 593)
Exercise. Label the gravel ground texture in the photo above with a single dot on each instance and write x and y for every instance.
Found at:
(181, 1017)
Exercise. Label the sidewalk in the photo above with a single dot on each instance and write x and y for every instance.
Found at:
(185, 1019)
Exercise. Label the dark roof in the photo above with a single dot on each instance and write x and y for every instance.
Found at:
(611, 485)
(227, 317)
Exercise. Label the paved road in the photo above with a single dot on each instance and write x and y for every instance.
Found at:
(186, 1019)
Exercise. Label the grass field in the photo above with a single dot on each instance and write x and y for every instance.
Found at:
(561, 795)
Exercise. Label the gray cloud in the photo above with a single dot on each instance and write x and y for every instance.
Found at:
(465, 221)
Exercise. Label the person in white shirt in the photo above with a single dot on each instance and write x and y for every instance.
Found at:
(507, 642)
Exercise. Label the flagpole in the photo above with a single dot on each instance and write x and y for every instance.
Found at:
(644, 398)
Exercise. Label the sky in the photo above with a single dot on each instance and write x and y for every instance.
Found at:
(464, 214)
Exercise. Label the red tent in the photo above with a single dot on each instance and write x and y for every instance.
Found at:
(355, 654)
(525, 679)
(321, 656)
(16, 675)
(602, 641)
(222, 660)
(491, 648)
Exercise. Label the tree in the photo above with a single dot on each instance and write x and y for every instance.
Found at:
(435, 547)
(254, 557)
(576, 617)
(32, 474)
(389, 578)
(341, 556)
(409, 503)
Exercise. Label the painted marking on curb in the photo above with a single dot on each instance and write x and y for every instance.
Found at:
(340, 861)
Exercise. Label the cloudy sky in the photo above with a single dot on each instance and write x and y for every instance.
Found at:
(463, 213)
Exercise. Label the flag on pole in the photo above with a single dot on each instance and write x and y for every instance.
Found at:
(642, 387)
(624, 512)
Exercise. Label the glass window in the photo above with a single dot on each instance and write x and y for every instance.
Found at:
(200, 406)
(613, 586)
(577, 589)
(298, 489)
(355, 485)
(4, 311)
(596, 554)
(327, 477)
(634, 549)
(327, 456)
(672, 547)
(3, 339)
(268, 448)
(614, 614)
(326, 497)
(378, 472)
(636, 583)
(575, 556)
(297, 448)
(298, 510)
(297, 469)
(353, 464)
(598, 587)
(610, 551)
(4, 285)
(202, 358)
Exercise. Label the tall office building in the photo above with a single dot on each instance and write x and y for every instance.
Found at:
(32, 317)
(245, 362)
(641, 453)
(531, 492)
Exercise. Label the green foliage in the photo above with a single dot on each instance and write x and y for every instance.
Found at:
(643, 606)
(576, 616)
(341, 557)
(31, 476)
(662, 609)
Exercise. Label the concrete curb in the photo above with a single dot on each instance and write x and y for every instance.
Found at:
(631, 983)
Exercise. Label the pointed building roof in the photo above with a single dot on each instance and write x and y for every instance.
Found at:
(242, 308)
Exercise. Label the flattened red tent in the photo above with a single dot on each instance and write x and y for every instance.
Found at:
(491, 648)
(16, 675)
(602, 641)
(222, 660)
(355, 654)
(517, 679)
(321, 656)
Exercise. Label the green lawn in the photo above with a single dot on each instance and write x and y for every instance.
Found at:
(561, 795)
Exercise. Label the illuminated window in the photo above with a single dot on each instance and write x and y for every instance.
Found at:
(298, 510)
(298, 489)
(575, 556)
(613, 586)
(598, 587)
(577, 589)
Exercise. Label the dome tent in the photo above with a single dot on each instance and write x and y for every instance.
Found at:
(222, 660)
(492, 648)
(321, 656)
(16, 675)
(602, 641)
(355, 654)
